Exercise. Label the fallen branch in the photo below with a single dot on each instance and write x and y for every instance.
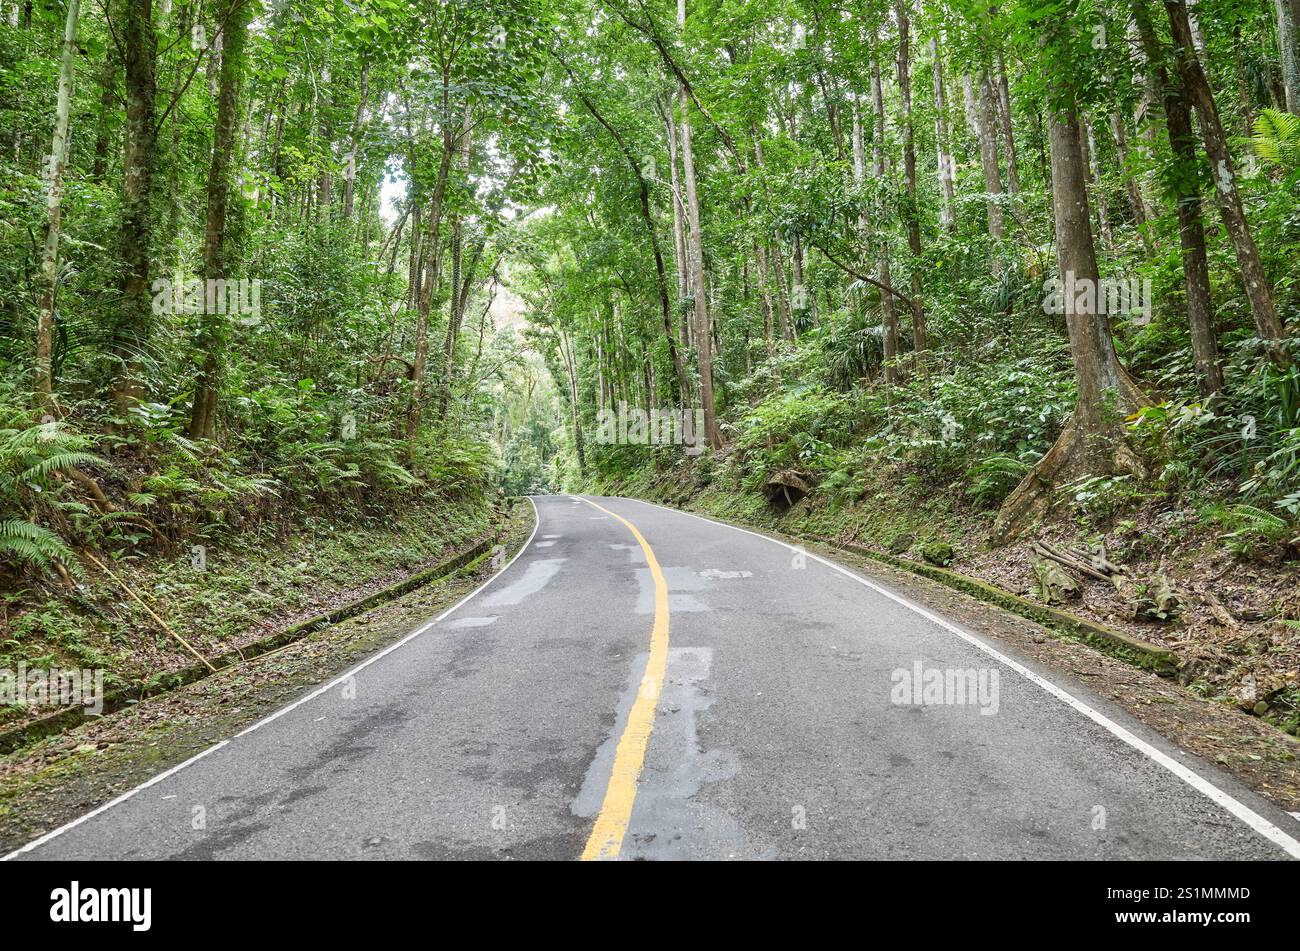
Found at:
(1098, 560)
(91, 486)
(1218, 610)
(140, 601)
(1055, 554)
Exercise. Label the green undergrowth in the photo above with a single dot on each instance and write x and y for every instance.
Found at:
(244, 586)
(880, 516)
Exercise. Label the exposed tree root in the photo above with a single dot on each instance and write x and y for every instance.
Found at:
(784, 488)
(91, 486)
(1083, 449)
(1076, 453)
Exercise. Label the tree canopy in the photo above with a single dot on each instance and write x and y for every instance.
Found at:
(278, 254)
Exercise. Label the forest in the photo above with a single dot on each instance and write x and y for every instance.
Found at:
(1009, 286)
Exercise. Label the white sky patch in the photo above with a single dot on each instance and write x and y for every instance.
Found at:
(507, 309)
(392, 192)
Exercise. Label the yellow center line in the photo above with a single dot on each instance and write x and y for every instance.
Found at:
(606, 838)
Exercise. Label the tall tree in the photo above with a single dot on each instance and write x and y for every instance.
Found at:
(703, 328)
(213, 327)
(55, 167)
(987, 133)
(140, 47)
(358, 127)
(912, 211)
(1288, 41)
(889, 313)
(947, 168)
(1092, 441)
(1186, 191)
(1259, 290)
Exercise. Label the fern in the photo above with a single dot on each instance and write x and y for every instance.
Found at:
(60, 462)
(1248, 518)
(29, 457)
(1277, 138)
(992, 479)
(1250, 528)
(33, 545)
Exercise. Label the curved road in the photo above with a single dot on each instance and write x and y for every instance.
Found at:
(642, 683)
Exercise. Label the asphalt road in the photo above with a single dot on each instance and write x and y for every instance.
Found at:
(641, 683)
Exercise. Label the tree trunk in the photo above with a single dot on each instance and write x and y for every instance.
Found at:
(1136, 200)
(350, 170)
(774, 266)
(413, 266)
(456, 303)
(1093, 159)
(972, 107)
(1289, 45)
(1008, 133)
(570, 365)
(703, 330)
(137, 189)
(912, 213)
(57, 161)
(1097, 369)
(783, 299)
(800, 298)
(947, 170)
(1187, 196)
(888, 313)
(860, 176)
(989, 158)
(832, 117)
(107, 105)
(212, 329)
(433, 272)
(1268, 325)
(859, 150)
(1092, 441)
(679, 225)
(1144, 116)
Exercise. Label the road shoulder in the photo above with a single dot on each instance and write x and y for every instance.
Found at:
(1245, 750)
(63, 777)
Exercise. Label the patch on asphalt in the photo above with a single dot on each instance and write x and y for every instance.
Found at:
(457, 623)
(681, 581)
(536, 576)
(719, 574)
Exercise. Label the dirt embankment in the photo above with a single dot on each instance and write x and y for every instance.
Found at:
(141, 620)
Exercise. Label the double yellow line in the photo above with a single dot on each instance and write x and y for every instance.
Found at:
(606, 839)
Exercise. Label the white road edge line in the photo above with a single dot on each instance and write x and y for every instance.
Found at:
(37, 843)
(1216, 795)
